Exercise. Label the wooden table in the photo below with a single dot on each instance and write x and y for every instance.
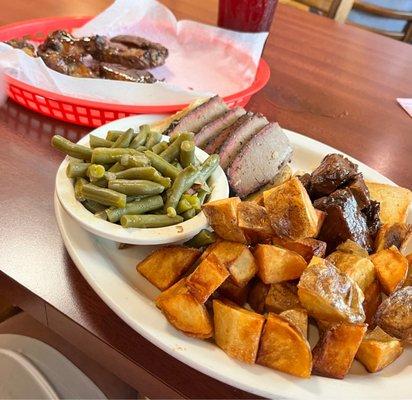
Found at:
(332, 82)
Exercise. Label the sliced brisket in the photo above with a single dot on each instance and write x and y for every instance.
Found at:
(260, 160)
(212, 129)
(234, 143)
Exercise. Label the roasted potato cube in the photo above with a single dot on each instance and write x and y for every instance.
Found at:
(234, 293)
(281, 297)
(360, 269)
(391, 269)
(290, 210)
(184, 312)
(277, 265)
(351, 247)
(307, 247)
(324, 326)
(408, 280)
(378, 350)
(254, 222)
(237, 330)
(257, 295)
(206, 278)
(283, 347)
(394, 315)
(238, 259)
(373, 298)
(222, 217)
(335, 351)
(328, 294)
(167, 264)
(394, 201)
(321, 217)
(393, 235)
(299, 317)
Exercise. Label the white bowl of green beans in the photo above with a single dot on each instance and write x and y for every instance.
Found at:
(131, 185)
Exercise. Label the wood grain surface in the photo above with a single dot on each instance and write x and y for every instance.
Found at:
(331, 82)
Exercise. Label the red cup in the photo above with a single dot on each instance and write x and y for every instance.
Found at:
(246, 15)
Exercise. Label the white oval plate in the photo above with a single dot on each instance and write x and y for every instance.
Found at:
(168, 234)
(112, 275)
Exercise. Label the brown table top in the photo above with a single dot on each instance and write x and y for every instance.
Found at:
(332, 82)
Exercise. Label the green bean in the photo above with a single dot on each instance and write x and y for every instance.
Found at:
(208, 167)
(102, 155)
(142, 149)
(129, 199)
(123, 140)
(181, 184)
(135, 187)
(96, 141)
(177, 165)
(101, 214)
(93, 206)
(203, 238)
(117, 167)
(147, 173)
(135, 207)
(173, 150)
(187, 153)
(76, 169)
(71, 149)
(189, 214)
(183, 206)
(141, 137)
(149, 221)
(113, 135)
(161, 165)
(78, 189)
(153, 138)
(171, 212)
(202, 194)
(95, 172)
(158, 148)
(193, 201)
(104, 196)
(136, 160)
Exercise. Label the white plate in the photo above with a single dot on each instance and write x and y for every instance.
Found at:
(169, 234)
(112, 275)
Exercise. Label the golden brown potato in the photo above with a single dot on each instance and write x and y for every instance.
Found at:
(299, 317)
(282, 176)
(254, 222)
(394, 201)
(281, 297)
(324, 326)
(328, 294)
(351, 247)
(237, 330)
(167, 264)
(334, 353)
(373, 298)
(235, 293)
(391, 269)
(307, 247)
(257, 295)
(360, 269)
(408, 280)
(206, 278)
(394, 315)
(378, 350)
(238, 259)
(283, 347)
(290, 210)
(222, 217)
(184, 312)
(393, 235)
(277, 265)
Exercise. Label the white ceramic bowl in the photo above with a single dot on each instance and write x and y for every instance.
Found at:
(150, 236)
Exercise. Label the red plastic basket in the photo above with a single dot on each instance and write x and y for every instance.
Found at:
(86, 112)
